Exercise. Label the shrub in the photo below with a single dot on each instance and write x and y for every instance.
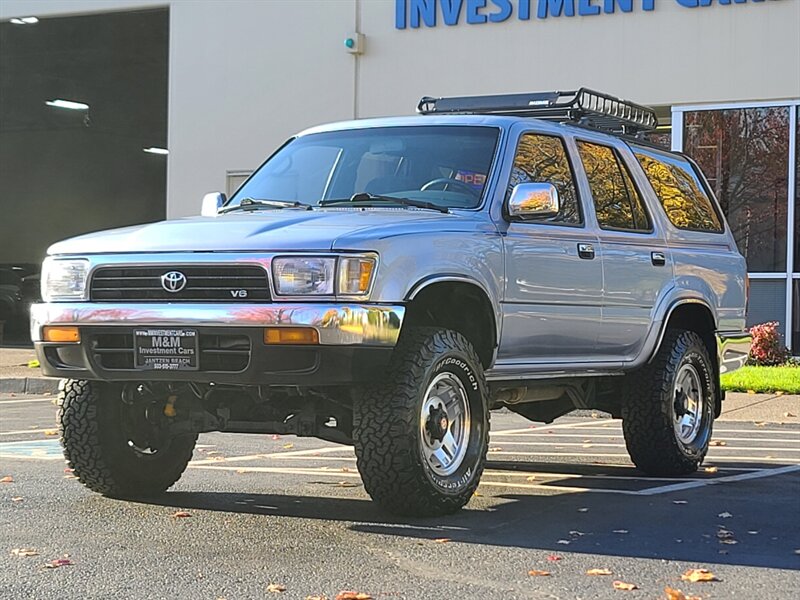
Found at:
(768, 349)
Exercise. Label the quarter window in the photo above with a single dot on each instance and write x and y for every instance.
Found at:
(680, 191)
(617, 202)
(543, 159)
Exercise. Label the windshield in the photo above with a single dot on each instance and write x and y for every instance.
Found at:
(443, 165)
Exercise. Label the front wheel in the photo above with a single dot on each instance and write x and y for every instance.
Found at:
(421, 439)
(113, 446)
(668, 409)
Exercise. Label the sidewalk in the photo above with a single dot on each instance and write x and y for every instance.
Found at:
(17, 377)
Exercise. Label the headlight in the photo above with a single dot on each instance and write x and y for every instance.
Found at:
(304, 275)
(64, 279)
(323, 276)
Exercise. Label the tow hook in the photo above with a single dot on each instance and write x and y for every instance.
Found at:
(169, 407)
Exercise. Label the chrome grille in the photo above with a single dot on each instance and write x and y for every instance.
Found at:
(228, 283)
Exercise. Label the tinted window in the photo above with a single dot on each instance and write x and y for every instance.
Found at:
(617, 202)
(543, 159)
(445, 165)
(679, 190)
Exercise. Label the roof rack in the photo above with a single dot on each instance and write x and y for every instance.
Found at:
(583, 107)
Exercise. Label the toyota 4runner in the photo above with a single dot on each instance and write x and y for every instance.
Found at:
(387, 282)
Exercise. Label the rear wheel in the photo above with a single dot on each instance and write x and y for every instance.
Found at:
(116, 447)
(421, 439)
(668, 410)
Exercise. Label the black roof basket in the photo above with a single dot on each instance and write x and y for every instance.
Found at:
(583, 107)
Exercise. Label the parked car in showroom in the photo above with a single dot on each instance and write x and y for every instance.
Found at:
(388, 282)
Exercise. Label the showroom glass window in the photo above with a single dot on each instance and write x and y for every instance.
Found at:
(744, 153)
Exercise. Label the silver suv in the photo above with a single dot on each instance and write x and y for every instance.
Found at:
(388, 282)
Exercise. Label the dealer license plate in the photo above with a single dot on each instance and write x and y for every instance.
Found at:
(166, 349)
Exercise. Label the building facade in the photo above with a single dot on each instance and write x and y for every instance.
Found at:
(220, 84)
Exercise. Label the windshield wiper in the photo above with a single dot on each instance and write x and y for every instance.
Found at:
(367, 197)
(256, 203)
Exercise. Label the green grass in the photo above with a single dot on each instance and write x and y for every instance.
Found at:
(763, 379)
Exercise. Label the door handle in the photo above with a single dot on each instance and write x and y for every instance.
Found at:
(586, 251)
(659, 259)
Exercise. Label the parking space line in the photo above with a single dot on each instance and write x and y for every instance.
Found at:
(21, 431)
(250, 457)
(619, 436)
(602, 445)
(759, 474)
(557, 488)
(627, 458)
(26, 400)
(279, 470)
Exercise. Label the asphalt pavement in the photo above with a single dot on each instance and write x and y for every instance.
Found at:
(561, 498)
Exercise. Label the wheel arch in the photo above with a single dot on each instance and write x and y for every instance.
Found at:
(460, 303)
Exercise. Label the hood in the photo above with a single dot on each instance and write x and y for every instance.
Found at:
(267, 230)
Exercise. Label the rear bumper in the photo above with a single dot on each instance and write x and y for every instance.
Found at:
(356, 342)
(733, 348)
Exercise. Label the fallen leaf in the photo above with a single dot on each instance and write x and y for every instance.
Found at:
(346, 470)
(718, 443)
(348, 595)
(620, 531)
(725, 515)
(316, 597)
(760, 423)
(7, 479)
(33, 364)
(556, 558)
(182, 514)
(276, 437)
(724, 534)
(753, 532)
(348, 484)
(276, 588)
(728, 541)
(711, 469)
(17, 499)
(537, 573)
(565, 542)
(577, 533)
(751, 391)
(790, 415)
(583, 510)
(441, 540)
(625, 587)
(598, 572)
(24, 552)
(58, 562)
(695, 575)
(678, 595)
(68, 470)
(779, 393)
(495, 449)
(797, 551)
(531, 478)
(680, 502)
(240, 471)
(50, 431)
(288, 446)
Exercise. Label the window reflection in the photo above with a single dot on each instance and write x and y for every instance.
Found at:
(616, 201)
(679, 190)
(744, 154)
(543, 159)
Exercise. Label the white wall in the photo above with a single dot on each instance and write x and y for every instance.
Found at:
(245, 74)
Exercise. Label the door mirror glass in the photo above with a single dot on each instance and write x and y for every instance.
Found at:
(212, 202)
(533, 201)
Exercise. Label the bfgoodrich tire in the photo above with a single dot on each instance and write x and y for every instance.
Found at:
(421, 438)
(668, 410)
(95, 428)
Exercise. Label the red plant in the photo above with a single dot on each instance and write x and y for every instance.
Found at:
(767, 349)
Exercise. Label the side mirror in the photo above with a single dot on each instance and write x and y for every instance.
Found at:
(533, 201)
(212, 202)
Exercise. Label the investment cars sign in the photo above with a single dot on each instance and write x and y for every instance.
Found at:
(430, 13)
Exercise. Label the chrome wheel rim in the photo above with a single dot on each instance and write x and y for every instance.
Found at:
(688, 404)
(445, 424)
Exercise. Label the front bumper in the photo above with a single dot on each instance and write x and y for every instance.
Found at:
(355, 341)
(733, 348)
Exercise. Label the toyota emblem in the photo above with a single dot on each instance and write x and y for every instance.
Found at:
(173, 282)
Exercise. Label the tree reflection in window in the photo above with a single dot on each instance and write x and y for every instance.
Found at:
(543, 159)
(679, 190)
(617, 202)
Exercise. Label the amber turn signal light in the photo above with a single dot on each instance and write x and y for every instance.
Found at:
(291, 335)
(61, 334)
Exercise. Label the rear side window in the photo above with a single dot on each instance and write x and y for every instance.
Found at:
(680, 191)
(543, 159)
(617, 202)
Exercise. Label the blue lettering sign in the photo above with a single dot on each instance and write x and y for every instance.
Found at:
(505, 11)
(473, 16)
(451, 11)
(555, 7)
(419, 13)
